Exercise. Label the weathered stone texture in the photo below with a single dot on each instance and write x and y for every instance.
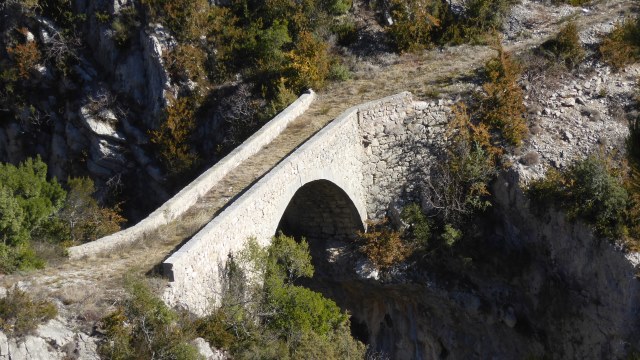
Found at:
(373, 153)
(400, 138)
(334, 155)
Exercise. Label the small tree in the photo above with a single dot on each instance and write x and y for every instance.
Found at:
(26, 57)
(589, 190)
(501, 105)
(383, 245)
(309, 63)
(173, 138)
(143, 327)
(457, 187)
(270, 316)
(622, 46)
(414, 23)
(565, 46)
(85, 219)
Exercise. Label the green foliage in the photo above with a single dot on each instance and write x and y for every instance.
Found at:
(457, 187)
(309, 63)
(187, 62)
(85, 220)
(27, 202)
(20, 314)
(346, 32)
(288, 260)
(300, 310)
(565, 47)
(338, 7)
(420, 24)
(145, 328)
(124, 25)
(589, 190)
(102, 16)
(33, 208)
(270, 317)
(622, 46)
(481, 17)
(450, 235)
(419, 230)
(415, 23)
(187, 19)
(19, 257)
(284, 97)
(62, 13)
(173, 138)
(339, 72)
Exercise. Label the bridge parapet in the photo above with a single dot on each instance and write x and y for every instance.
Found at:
(372, 152)
(187, 197)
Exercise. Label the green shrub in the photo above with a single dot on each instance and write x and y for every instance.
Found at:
(338, 7)
(283, 98)
(124, 26)
(28, 203)
(20, 314)
(271, 317)
(565, 46)
(145, 328)
(414, 23)
(588, 190)
(309, 63)
(63, 15)
(346, 32)
(173, 137)
(486, 15)
(187, 19)
(339, 72)
(102, 16)
(622, 46)
(419, 231)
(457, 187)
(85, 220)
(477, 22)
(188, 62)
(450, 235)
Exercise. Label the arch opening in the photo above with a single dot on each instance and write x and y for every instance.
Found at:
(324, 214)
(321, 210)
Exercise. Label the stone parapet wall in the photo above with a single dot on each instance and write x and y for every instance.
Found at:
(401, 139)
(333, 154)
(181, 202)
(372, 152)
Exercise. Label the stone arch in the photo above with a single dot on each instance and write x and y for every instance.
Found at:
(320, 209)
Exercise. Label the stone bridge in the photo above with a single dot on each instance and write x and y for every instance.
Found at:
(357, 167)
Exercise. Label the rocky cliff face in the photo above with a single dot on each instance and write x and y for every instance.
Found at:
(91, 115)
(89, 103)
(533, 287)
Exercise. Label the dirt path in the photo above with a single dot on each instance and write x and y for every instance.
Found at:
(86, 286)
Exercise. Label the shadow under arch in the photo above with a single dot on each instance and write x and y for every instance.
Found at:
(321, 210)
